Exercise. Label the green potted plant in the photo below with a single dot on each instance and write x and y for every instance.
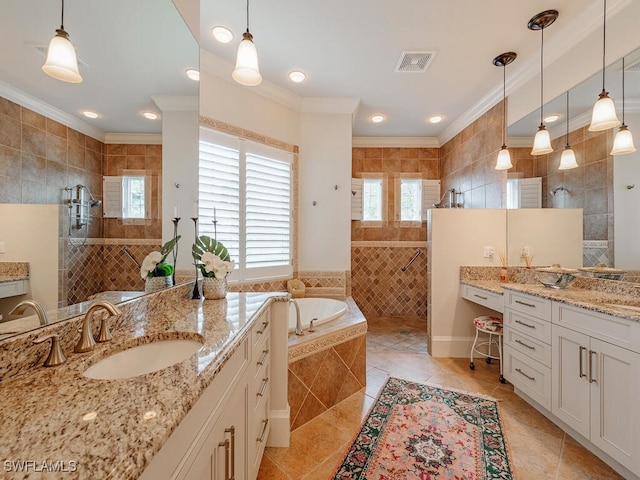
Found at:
(213, 260)
(155, 271)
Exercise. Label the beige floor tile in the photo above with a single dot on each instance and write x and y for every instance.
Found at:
(577, 463)
(376, 378)
(327, 469)
(270, 471)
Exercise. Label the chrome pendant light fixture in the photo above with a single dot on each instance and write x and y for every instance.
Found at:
(603, 116)
(504, 158)
(247, 72)
(542, 140)
(62, 63)
(623, 143)
(568, 158)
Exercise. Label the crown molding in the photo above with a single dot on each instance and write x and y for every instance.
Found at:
(176, 103)
(330, 105)
(398, 142)
(134, 138)
(32, 103)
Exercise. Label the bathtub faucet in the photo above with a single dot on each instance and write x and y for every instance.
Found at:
(299, 331)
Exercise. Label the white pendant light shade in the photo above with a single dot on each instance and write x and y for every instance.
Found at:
(568, 159)
(623, 143)
(247, 71)
(604, 115)
(504, 159)
(62, 63)
(541, 142)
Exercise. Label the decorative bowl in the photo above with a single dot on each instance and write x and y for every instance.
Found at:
(556, 276)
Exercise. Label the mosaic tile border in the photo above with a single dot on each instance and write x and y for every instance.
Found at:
(383, 243)
(247, 134)
(298, 352)
(595, 244)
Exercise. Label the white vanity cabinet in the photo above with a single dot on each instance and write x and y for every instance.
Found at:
(482, 297)
(224, 434)
(527, 345)
(596, 383)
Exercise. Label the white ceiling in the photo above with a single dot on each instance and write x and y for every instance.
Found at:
(137, 49)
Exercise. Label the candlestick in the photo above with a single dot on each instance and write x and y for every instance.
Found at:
(195, 210)
(175, 211)
(175, 246)
(196, 290)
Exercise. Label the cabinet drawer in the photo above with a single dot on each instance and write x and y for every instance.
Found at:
(258, 434)
(531, 347)
(491, 300)
(533, 378)
(260, 386)
(529, 304)
(261, 329)
(528, 325)
(261, 355)
(618, 331)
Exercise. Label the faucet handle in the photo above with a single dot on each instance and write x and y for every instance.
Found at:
(105, 334)
(56, 357)
(311, 329)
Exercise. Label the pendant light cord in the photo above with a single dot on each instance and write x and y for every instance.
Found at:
(62, 17)
(247, 15)
(504, 103)
(622, 90)
(567, 138)
(604, 41)
(542, 77)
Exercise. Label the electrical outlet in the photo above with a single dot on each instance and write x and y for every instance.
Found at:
(489, 252)
(526, 251)
(2, 247)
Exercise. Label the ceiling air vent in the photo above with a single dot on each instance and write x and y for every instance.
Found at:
(414, 62)
(42, 50)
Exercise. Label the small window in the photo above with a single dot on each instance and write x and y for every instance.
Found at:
(372, 200)
(133, 196)
(410, 200)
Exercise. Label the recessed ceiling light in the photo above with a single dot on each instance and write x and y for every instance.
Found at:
(90, 114)
(193, 74)
(222, 34)
(377, 118)
(436, 119)
(552, 118)
(297, 76)
(150, 115)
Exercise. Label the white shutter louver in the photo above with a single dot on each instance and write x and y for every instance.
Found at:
(430, 195)
(112, 197)
(356, 199)
(530, 192)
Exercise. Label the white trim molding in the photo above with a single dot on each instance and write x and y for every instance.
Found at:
(399, 142)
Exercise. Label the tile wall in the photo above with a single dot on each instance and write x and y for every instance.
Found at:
(379, 250)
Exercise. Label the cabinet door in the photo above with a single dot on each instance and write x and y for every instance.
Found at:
(614, 393)
(223, 456)
(570, 388)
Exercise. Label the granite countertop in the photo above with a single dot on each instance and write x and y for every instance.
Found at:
(12, 271)
(596, 299)
(112, 428)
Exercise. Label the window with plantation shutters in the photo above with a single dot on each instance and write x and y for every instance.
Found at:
(245, 203)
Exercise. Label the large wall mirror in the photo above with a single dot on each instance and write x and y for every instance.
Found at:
(129, 53)
(606, 187)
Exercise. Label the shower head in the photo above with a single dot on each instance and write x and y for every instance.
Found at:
(95, 203)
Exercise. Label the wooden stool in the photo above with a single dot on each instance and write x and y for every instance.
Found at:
(493, 327)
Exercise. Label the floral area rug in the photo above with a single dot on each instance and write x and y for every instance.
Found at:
(416, 431)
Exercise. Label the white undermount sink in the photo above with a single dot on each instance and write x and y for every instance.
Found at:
(625, 307)
(141, 359)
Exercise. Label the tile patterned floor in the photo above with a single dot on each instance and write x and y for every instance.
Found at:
(397, 347)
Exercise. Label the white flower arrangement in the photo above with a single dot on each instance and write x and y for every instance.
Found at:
(214, 264)
(212, 257)
(154, 264)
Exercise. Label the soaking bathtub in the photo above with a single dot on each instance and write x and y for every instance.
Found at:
(320, 310)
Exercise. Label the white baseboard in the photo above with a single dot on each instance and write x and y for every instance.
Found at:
(280, 431)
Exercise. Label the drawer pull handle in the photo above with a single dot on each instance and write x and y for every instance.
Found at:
(592, 379)
(225, 444)
(533, 379)
(480, 296)
(580, 350)
(264, 327)
(530, 305)
(265, 382)
(265, 354)
(525, 324)
(524, 344)
(232, 431)
(264, 431)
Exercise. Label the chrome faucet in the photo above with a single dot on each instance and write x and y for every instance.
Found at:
(299, 331)
(22, 306)
(86, 342)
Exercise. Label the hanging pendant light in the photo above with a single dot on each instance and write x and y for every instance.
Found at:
(247, 71)
(504, 158)
(62, 63)
(623, 143)
(603, 116)
(568, 158)
(542, 140)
